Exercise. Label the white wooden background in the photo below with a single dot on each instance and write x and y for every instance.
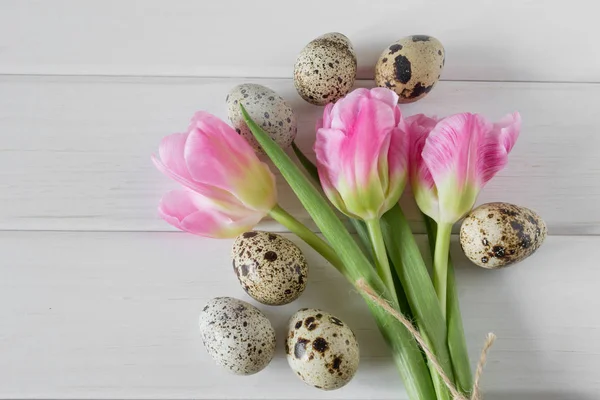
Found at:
(99, 298)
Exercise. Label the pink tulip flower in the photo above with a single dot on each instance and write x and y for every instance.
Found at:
(362, 153)
(227, 190)
(452, 160)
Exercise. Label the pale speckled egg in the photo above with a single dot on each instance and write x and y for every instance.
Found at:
(411, 67)
(237, 335)
(325, 69)
(270, 268)
(496, 235)
(321, 349)
(268, 109)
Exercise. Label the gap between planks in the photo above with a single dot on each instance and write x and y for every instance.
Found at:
(250, 77)
(118, 77)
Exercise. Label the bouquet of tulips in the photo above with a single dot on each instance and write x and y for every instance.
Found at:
(367, 152)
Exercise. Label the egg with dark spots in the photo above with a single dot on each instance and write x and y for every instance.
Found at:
(268, 109)
(411, 67)
(237, 335)
(325, 69)
(321, 349)
(496, 235)
(270, 268)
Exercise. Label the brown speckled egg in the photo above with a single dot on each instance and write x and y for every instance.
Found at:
(496, 235)
(325, 69)
(321, 349)
(237, 335)
(411, 67)
(270, 268)
(268, 109)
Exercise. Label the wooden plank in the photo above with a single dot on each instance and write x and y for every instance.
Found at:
(114, 315)
(75, 152)
(536, 40)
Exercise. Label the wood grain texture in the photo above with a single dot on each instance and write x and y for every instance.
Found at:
(114, 315)
(97, 312)
(75, 152)
(516, 40)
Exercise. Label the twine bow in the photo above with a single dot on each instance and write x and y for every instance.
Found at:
(368, 291)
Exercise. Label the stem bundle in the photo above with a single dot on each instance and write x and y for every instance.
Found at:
(432, 359)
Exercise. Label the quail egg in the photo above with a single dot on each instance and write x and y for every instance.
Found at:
(237, 335)
(411, 67)
(496, 235)
(268, 109)
(325, 69)
(270, 268)
(321, 349)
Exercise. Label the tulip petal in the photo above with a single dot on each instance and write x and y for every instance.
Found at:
(325, 121)
(217, 194)
(328, 149)
(172, 164)
(196, 214)
(398, 151)
(421, 123)
(370, 139)
(215, 153)
(388, 97)
(418, 127)
(183, 180)
(218, 225)
(218, 157)
(453, 147)
(345, 111)
(451, 160)
(219, 130)
(171, 150)
(497, 144)
(462, 153)
(210, 160)
(175, 206)
(227, 189)
(508, 129)
(354, 162)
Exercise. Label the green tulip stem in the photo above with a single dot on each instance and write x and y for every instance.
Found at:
(440, 264)
(382, 263)
(297, 227)
(457, 344)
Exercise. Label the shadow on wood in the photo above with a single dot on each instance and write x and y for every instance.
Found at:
(538, 396)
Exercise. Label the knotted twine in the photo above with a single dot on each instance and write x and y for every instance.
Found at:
(368, 291)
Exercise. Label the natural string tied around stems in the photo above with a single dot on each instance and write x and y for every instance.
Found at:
(368, 291)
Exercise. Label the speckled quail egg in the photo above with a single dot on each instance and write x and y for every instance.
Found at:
(411, 67)
(496, 235)
(237, 335)
(270, 268)
(321, 349)
(325, 69)
(268, 109)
